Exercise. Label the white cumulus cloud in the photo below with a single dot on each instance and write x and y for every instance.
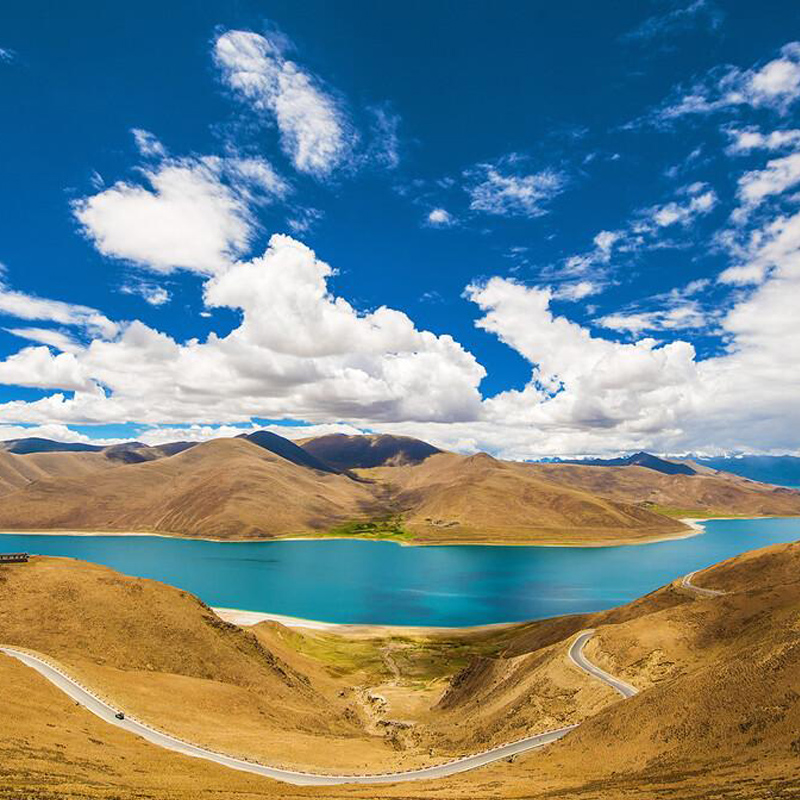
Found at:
(192, 213)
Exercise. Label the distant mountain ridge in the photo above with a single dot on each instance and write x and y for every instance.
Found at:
(285, 448)
(778, 470)
(35, 444)
(365, 452)
(640, 459)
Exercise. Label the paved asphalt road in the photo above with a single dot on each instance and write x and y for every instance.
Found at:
(85, 697)
(577, 657)
(687, 584)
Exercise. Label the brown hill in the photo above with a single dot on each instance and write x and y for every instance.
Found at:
(723, 709)
(166, 657)
(17, 471)
(718, 712)
(227, 488)
(362, 452)
(478, 498)
(704, 494)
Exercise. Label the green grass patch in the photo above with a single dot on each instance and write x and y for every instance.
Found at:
(388, 527)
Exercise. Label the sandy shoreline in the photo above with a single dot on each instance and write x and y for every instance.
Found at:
(446, 543)
(247, 618)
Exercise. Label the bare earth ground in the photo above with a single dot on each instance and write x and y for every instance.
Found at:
(718, 716)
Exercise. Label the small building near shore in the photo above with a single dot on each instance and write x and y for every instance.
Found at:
(13, 558)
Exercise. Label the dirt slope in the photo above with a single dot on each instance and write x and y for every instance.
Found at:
(16, 471)
(474, 498)
(163, 655)
(702, 494)
(233, 488)
(226, 488)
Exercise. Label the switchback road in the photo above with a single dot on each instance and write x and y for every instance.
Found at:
(92, 702)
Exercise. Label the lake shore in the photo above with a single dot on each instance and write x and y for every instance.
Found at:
(247, 619)
(547, 542)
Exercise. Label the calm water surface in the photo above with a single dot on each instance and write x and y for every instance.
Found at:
(380, 582)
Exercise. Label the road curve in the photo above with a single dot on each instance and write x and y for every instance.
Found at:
(686, 583)
(579, 659)
(89, 700)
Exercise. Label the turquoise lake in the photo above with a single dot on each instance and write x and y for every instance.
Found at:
(381, 582)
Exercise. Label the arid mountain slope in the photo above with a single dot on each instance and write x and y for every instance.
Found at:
(265, 486)
(227, 488)
(641, 459)
(24, 461)
(471, 498)
(719, 710)
(17, 471)
(682, 495)
(162, 655)
(288, 450)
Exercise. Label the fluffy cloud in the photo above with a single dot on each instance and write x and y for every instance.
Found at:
(701, 200)
(502, 189)
(576, 290)
(54, 431)
(314, 129)
(677, 309)
(678, 318)
(194, 213)
(52, 338)
(147, 144)
(439, 218)
(203, 433)
(38, 368)
(299, 351)
(774, 85)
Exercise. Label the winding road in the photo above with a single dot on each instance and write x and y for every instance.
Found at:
(686, 583)
(577, 657)
(87, 698)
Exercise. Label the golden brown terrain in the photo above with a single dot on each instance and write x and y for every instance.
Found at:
(264, 486)
(708, 493)
(453, 498)
(226, 488)
(718, 714)
(17, 471)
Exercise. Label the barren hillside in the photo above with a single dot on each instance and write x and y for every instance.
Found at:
(226, 488)
(717, 715)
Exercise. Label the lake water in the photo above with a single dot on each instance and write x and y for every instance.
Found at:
(380, 582)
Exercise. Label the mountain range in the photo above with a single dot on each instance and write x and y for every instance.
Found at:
(262, 485)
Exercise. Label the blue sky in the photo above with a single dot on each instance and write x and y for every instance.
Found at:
(550, 229)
